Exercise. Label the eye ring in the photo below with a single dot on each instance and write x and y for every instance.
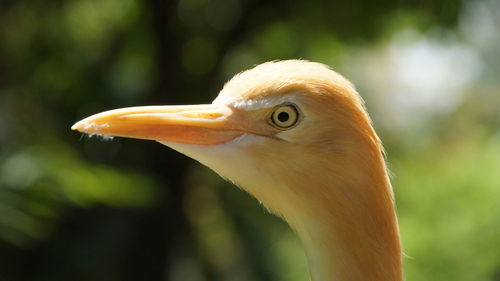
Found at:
(284, 116)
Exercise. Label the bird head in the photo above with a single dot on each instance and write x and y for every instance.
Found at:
(294, 134)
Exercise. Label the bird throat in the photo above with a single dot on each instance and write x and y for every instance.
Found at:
(344, 213)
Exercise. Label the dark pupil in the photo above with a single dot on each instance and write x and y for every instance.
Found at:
(283, 116)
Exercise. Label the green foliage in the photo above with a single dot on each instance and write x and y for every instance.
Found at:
(448, 204)
(40, 181)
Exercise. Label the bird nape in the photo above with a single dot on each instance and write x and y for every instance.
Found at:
(305, 148)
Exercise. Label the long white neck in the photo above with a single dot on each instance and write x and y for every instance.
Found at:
(350, 231)
(344, 214)
(347, 248)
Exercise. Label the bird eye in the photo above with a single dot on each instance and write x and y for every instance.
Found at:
(285, 116)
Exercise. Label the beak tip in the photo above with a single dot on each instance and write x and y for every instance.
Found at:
(77, 126)
(90, 127)
(82, 126)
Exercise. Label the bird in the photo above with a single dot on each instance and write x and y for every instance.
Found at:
(296, 135)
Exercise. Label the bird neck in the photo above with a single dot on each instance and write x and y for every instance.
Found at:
(350, 231)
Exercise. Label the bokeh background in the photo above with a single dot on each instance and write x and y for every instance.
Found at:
(80, 208)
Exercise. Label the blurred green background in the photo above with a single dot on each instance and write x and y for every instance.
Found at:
(80, 208)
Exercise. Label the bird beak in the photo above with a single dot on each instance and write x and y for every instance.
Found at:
(192, 124)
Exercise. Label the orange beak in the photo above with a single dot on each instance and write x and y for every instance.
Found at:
(192, 124)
